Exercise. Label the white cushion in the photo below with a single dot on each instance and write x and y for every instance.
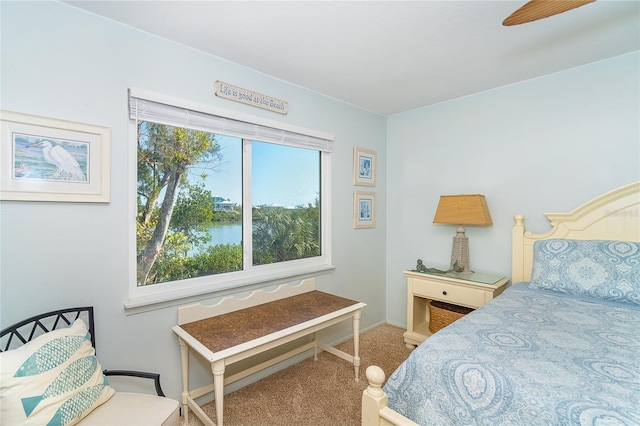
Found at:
(53, 379)
(127, 409)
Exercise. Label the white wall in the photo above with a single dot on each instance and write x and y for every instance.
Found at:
(544, 145)
(58, 61)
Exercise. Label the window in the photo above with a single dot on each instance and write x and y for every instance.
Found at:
(222, 201)
(285, 183)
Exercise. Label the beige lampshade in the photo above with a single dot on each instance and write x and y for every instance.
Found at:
(467, 209)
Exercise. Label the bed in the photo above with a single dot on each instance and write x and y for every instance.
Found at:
(560, 346)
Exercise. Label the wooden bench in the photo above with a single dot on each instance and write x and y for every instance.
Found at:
(236, 329)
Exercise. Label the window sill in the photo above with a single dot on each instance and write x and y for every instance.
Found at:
(137, 305)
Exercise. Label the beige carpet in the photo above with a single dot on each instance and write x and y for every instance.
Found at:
(314, 393)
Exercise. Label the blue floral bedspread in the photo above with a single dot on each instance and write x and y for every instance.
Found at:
(529, 357)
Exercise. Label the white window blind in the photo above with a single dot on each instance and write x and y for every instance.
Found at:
(141, 109)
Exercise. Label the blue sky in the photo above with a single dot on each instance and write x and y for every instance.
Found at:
(281, 175)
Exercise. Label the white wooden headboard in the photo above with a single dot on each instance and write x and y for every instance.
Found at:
(611, 216)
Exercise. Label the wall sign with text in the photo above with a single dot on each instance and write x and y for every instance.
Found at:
(238, 94)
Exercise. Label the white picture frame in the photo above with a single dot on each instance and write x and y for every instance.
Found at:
(47, 159)
(364, 167)
(364, 209)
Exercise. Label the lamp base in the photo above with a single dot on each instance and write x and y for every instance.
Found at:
(460, 252)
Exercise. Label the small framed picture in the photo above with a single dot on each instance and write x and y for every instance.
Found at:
(364, 167)
(46, 159)
(364, 209)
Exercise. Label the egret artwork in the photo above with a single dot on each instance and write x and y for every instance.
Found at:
(50, 159)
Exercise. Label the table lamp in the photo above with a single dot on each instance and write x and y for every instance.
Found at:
(467, 209)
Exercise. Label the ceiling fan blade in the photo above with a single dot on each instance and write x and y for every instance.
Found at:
(538, 9)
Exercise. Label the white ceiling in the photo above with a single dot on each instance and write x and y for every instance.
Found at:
(387, 56)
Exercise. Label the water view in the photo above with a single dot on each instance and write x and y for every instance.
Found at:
(223, 233)
(226, 233)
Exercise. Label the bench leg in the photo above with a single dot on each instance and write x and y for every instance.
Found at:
(218, 388)
(184, 359)
(356, 343)
(315, 346)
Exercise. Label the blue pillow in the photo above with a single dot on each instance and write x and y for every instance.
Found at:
(600, 269)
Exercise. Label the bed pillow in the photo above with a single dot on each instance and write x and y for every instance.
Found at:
(601, 269)
(55, 379)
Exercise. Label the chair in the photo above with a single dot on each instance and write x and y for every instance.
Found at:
(121, 408)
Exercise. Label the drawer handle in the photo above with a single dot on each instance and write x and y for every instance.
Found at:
(444, 293)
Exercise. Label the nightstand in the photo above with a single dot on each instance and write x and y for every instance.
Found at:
(472, 291)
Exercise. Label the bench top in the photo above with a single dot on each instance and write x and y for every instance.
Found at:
(225, 331)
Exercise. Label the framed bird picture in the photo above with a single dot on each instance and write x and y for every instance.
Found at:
(46, 159)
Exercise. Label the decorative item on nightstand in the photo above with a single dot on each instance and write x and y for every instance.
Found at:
(467, 209)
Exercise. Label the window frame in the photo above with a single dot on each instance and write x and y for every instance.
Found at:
(142, 298)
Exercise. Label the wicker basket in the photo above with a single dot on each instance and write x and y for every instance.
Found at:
(442, 314)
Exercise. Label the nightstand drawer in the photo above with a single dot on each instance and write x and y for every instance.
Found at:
(450, 293)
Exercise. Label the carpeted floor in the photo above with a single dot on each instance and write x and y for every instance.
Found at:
(314, 393)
